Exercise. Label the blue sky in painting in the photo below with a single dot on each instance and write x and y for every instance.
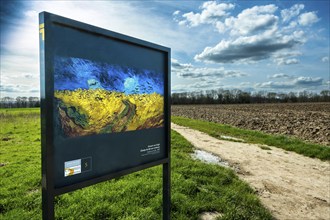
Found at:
(75, 73)
(277, 45)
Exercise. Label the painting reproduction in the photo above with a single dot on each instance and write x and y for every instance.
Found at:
(95, 97)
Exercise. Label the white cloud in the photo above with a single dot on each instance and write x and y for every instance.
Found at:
(275, 85)
(296, 83)
(286, 54)
(200, 85)
(255, 47)
(299, 35)
(177, 12)
(211, 13)
(308, 81)
(31, 13)
(286, 57)
(258, 37)
(308, 18)
(279, 75)
(220, 26)
(178, 66)
(291, 61)
(288, 14)
(13, 90)
(30, 76)
(325, 59)
(9, 88)
(292, 25)
(282, 61)
(252, 20)
(256, 34)
(187, 70)
(244, 84)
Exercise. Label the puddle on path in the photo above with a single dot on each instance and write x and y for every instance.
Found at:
(231, 138)
(209, 158)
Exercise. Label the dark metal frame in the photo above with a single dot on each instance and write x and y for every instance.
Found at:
(47, 95)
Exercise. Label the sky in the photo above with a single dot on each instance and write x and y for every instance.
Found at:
(273, 46)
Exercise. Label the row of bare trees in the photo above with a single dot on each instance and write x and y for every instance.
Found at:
(237, 96)
(219, 96)
(19, 102)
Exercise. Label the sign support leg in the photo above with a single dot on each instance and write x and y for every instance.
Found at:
(48, 212)
(166, 191)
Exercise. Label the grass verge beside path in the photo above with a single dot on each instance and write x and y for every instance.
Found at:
(196, 186)
(287, 143)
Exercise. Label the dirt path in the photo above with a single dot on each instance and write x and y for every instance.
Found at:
(290, 185)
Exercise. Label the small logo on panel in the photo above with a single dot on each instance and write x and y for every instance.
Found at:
(72, 167)
(78, 166)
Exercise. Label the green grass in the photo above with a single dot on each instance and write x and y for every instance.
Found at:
(196, 186)
(280, 141)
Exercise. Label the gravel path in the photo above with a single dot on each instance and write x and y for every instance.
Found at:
(290, 185)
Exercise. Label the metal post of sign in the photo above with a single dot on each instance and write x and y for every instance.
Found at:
(167, 165)
(47, 150)
(47, 206)
(166, 191)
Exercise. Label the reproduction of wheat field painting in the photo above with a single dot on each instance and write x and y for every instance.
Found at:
(94, 97)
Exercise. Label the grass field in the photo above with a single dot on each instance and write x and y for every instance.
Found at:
(196, 187)
(287, 143)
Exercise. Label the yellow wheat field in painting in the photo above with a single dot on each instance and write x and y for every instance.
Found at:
(84, 112)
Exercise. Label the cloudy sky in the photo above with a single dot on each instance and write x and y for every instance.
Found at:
(277, 45)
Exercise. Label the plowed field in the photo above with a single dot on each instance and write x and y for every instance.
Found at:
(307, 121)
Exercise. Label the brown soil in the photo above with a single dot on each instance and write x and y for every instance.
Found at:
(291, 186)
(307, 121)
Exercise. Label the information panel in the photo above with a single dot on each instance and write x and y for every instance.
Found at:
(105, 107)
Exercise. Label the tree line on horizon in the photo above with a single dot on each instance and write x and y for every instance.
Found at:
(219, 96)
(236, 96)
(19, 102)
